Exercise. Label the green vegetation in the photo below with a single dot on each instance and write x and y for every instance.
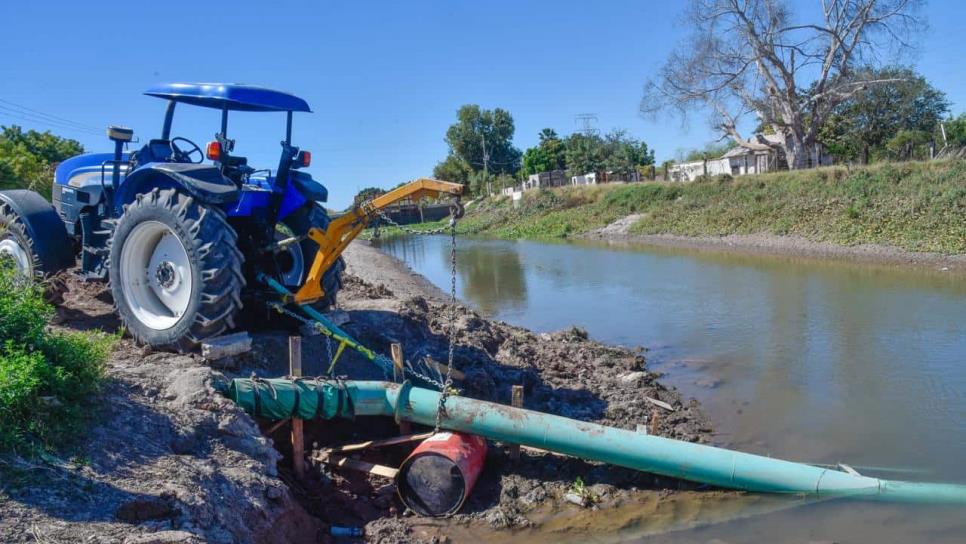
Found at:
(896, 120)
(27, 159)
(913, 206)
(47, 379)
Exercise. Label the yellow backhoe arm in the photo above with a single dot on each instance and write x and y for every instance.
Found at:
(343, 229)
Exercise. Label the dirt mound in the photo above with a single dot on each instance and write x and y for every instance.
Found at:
(170, 459)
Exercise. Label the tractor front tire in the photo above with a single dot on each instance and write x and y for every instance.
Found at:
(15, 244)
(175, 270)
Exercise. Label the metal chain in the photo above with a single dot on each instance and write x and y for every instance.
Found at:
(446, 387)
(407, 230)
(448, 382)
(382, 360)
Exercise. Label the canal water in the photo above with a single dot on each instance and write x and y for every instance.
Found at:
(804, 360)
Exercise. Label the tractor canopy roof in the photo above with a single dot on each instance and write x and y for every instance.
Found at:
(229, 96)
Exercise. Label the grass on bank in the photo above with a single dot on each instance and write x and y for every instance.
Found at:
(916, 206)
(48, 380)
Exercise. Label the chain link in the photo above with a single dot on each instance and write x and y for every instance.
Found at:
(407, 230)
(446, 386)
(451, 333)
(381, 360)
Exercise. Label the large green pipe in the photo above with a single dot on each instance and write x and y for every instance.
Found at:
(664, 456)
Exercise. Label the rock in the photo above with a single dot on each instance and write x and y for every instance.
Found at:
(633, 377)
(187, 387)
(575, 498)
(234, 425)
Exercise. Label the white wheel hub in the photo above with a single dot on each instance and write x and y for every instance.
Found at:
(155, 275)
(21, 258)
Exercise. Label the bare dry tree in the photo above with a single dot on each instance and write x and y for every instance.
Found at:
(752, 57)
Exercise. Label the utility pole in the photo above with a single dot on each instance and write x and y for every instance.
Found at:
(486, 168)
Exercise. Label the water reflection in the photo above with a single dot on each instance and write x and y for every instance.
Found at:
(492, 277)
(805, 360)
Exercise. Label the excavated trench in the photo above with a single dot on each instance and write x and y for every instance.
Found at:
(191, 466)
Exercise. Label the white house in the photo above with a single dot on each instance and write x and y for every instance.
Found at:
(742, 160)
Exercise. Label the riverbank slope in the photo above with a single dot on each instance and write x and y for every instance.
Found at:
(904, 213)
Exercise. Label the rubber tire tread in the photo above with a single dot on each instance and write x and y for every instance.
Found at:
(13, 226)
(216, 264)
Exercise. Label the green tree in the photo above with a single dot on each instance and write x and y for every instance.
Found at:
(956, 130)
(864, 126)
(712, 150)
(483, 139)
(453, 169)
(367, 194)
(584, 152)
(27, 159)
(624, 154)
(548, 155)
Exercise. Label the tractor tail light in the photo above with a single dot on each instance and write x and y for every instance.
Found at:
(214, 151)
(306, 158)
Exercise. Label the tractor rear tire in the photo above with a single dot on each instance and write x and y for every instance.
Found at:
(175, 270)
(299, 223)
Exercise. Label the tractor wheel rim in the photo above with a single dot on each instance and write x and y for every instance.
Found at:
(155, 275)
(19, 254)
(292, 266)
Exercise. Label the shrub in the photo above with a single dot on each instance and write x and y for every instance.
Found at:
(48, 380)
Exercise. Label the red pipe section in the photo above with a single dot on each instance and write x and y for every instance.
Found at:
(437, 477)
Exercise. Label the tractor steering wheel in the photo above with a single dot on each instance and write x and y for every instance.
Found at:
(181, 155)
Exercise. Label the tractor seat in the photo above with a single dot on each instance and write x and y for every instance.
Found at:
(154, 151)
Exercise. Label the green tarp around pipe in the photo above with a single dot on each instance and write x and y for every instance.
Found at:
(305, 398)
(654, 454)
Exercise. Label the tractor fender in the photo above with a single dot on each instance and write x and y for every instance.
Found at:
(202, 181)
(44, 227)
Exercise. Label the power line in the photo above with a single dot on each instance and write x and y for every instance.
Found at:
(45, 122)
(35, 116)
(53, 117)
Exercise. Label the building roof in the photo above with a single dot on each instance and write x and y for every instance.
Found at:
(229, 96)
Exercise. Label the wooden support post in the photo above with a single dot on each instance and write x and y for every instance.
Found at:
(399, 375)
(398, 370)
(516, 399)
(298, 439)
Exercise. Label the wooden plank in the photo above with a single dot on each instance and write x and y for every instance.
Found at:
(398, 370)
(660, 403)
(359, 465)
(399, 375)
(226, 346)
(378, 443)
(516, 399)
(456, 374)
(298, 438)
(531, 449)
(275, 426)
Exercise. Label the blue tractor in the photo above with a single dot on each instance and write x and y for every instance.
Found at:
(181, 241)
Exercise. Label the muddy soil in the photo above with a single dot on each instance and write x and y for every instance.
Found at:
(170, 460)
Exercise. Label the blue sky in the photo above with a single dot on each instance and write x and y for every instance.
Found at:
(383, 78)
